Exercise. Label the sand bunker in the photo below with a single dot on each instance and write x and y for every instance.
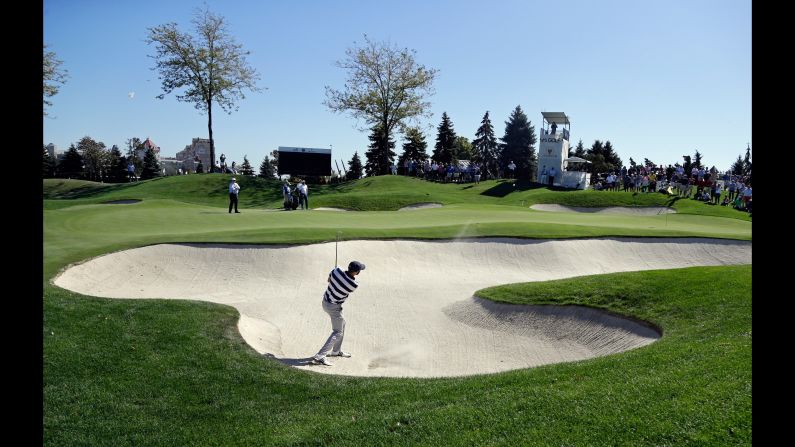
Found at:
(122, 201)
(414, 314)
(323, 208)
(418, 206)
(636, 210)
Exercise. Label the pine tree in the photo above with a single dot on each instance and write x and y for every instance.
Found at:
(379, 157)
(519, 145)
(632, 162)
(747, 161)
(117, 165)
(579, 151)
(266, 168)
(414, 147)
(697, 161)
(445, 141)
(611, 157)
(246, 168)
(355, 167)
(688, 165)
(72, 164)
(485, 147)
(48, 164)
(151, 167)
(738, 166)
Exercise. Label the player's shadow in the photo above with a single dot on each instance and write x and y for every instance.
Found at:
(303, 361)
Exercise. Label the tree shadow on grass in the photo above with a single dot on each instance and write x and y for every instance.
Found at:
(506, 187)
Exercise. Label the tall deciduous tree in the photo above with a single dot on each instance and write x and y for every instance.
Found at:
(444, 151)
(209, 65)
(462, 149)
(94, 158)
(386, 87)
(519, 145)
(354, 167)
(53, 75)
(485, 146)
(414, 148)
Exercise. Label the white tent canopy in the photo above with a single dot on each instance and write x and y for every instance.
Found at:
(576, 160)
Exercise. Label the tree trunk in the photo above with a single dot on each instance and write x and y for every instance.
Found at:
(210, 128)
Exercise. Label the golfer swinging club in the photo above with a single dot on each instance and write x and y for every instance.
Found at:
(340, 285)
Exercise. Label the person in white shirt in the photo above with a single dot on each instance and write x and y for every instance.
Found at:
(303, 195)
(511, 168)
(234, 188)
(552, 173)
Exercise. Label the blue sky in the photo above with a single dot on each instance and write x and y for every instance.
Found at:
(659, 79)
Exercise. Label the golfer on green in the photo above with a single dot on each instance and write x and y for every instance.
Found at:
(340, 285)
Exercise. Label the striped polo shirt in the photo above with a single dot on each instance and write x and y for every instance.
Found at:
(340, 285)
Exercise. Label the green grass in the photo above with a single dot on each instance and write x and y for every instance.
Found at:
(383, 193)
(164, 372)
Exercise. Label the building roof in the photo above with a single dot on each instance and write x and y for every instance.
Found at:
(555, 117)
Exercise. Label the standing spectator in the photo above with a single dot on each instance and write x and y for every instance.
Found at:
(552, 173)
(234, 188)
(511, 169)
(286, 193)
(223, 158)
(303, 195)
(544, 175)
(130, 171)
(554, 127)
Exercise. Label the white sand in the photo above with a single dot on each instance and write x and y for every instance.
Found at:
(323, 208)
(636, 210)
(419, 206)
(413, 314)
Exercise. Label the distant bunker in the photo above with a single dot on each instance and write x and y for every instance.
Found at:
(122, 202)
(414, 313)
(634, 210)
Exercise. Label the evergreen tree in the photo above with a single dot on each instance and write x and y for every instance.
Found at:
(414, 147)
(275, 161)
(463, 148)
(246, 168)
(117, 165)
(688, 165)
(747, 161)
(611, 157)
(648, 163)
(519, 145)
(485, 147)
(72, 164)
(355, 167)
(597, 155)
(632, 162)
(579, 151)
(151, 167)
(697, 161)
(200, 168)
(738, 166)
(48, 164)
(379, 157)
(444, 151)
(266, 168)
(133, 145)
